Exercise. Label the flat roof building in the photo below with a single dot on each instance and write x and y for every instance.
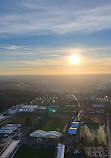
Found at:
(61, 149)
(26, 108)
(72, 130)
(9, 128)
(98, 105)
(75, 124)
(11, 149)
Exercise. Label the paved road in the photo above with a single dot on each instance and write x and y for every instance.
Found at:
(9, 149)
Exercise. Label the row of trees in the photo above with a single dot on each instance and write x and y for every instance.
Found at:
(93, 137)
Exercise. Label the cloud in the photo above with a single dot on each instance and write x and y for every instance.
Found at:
(13, 47)
(39, 17)
(54, 60)
(31, 53)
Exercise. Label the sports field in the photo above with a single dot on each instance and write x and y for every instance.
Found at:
(93, 133)
(53, 124)
(34, 153)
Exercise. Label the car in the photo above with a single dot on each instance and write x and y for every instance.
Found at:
(97, 154)
(5, 135)
(93, 156)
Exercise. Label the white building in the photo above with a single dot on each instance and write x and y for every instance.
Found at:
(12, 110)
(61, 149)
(10, 150)
(43, 134)
(9, 129)
(26, 108)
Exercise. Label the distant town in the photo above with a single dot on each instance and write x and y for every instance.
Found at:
(59, 125)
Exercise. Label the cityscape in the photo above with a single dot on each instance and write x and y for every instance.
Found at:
(55, 79)
(73, 121)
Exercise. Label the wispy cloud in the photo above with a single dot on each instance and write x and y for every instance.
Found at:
(29, 53)
(41, 17)
(13, 47)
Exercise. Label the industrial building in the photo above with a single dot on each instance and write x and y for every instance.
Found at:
(98, 105)
(72, 130)
(9, 129)
(26, 108)
(60, 152)
(75, 124)
(30, 108)
(74, 127)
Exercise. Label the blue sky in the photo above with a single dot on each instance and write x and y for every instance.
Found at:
(38, 36)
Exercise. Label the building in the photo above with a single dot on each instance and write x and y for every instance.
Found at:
(60, 152)
(72, 131)
(12, 110)
(10, 150)
(26, 108)
(75, 124)
(42, 109)
(2, 117)
(43, 134)
(9, 129)
(43, 139)
(74, 127)
(98, 105)
(70, 106)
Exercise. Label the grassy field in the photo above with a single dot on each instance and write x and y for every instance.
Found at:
(93, 134)
(25, 118)
(52, 124)
(34, 153)
(6, 121)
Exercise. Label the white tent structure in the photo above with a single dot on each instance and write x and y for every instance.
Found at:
(43, 134)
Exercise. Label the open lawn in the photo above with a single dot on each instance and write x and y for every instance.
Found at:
(34, 153)
(52, 124)
(25, 118)
(93, 133)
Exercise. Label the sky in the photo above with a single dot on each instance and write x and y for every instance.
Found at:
(39, 36)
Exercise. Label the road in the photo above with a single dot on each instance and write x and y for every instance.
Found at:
(10, 149)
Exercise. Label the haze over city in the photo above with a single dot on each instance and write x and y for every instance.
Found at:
(55, 79)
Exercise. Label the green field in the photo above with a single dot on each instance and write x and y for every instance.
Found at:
(34, 153)
(25, 118)
(52, 124)
(93, 134)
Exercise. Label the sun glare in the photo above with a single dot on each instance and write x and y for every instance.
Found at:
(74, 60)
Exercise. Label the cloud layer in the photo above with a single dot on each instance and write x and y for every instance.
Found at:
(38, 36)
(44, 17)
(24, 59)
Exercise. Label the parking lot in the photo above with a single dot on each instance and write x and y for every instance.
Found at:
(96, 152)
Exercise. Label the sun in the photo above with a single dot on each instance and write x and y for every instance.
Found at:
(74, 60)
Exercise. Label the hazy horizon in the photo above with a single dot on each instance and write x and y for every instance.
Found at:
(42, 37)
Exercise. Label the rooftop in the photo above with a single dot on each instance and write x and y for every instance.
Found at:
(40, 133)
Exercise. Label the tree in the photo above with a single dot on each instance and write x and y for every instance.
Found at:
(28, 121)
